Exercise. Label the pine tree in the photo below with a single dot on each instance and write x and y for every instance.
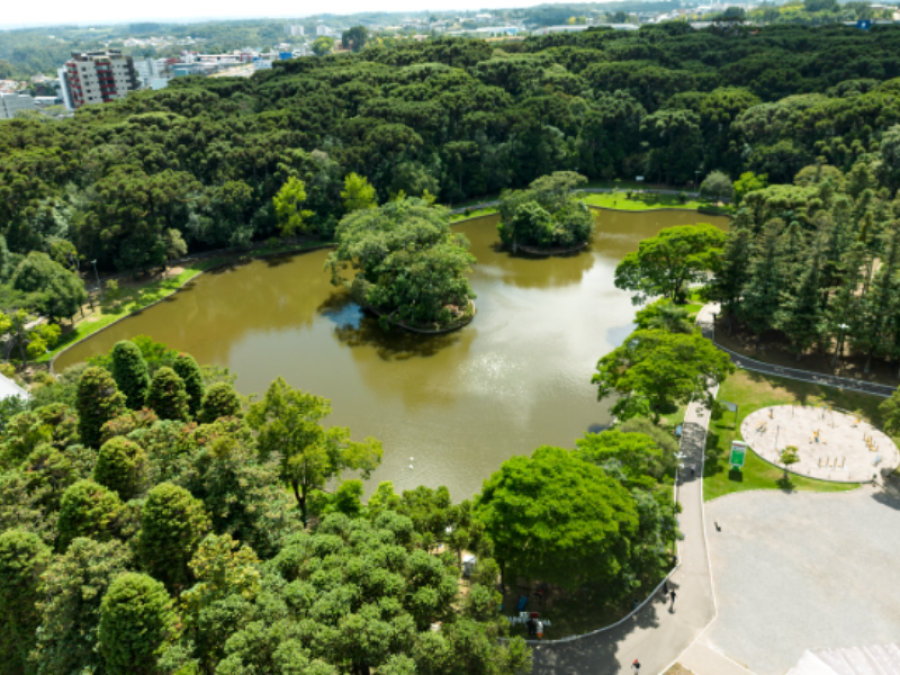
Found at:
(188, 370)
(172, 525)
(731, 275)
(761, 293)
(880, 299)
(99, 400)
(167, 396)
(136, 621)
(845, 305)
(121, 467)
(23, 558)
(800, 316)
(221, 400)
(131, 374)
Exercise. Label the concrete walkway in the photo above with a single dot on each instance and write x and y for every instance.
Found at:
(705, 320)
(658, 633)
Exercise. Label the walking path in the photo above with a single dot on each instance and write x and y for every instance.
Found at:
(705, 320)
(659, 632)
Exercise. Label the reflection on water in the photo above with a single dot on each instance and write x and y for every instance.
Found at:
(517, 377)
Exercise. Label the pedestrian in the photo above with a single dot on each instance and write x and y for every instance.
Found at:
(693, 470)
(637, 666)
(532, 627)
(673, 597)
(540, 629)
(634, 604)
(666, 588)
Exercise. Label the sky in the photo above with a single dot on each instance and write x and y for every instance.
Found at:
(55, 12)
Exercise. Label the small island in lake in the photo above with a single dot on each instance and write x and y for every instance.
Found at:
(410, 268)
(546, 218)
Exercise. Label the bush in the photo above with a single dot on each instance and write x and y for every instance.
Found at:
(717, 185)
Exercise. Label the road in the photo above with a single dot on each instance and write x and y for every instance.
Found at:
(705, 320)
(658, 633)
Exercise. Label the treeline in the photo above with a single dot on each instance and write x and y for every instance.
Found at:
(458, 118)
(154, 521)
(819, 260)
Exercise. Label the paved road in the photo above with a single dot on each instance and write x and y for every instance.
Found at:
(797, 571)
(705, 320)
(655, 635)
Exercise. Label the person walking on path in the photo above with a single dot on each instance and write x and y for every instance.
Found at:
(666, 588)
(693, 470)
(636, 666)
(672, 594)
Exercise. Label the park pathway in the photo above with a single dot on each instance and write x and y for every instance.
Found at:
(658, 633)
(705, 321)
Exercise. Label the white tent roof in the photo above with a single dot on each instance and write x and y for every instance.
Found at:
(9, 388)
(877, 660)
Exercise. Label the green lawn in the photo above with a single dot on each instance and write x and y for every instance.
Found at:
(642, 202)
(476, 213)
(132, 299)
(752, 391)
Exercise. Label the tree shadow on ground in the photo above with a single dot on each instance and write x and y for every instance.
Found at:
(356, 328)
(889, 494)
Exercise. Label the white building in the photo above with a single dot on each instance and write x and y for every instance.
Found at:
(98, 77)
(12, 104)
(294, 30)
(322, 29)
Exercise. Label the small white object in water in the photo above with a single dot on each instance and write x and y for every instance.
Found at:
(411, 459)
(410, 466)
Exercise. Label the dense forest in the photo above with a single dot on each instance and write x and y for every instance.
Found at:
(153, 521)
(459, 118)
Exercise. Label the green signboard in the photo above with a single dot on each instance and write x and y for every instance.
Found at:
(738, 454)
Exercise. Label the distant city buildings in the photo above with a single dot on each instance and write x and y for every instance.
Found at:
(12, 104)
(97, 77)
(294, 30)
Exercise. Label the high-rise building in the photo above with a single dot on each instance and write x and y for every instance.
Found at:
(294, 30)
(98, 77)
(10, 104)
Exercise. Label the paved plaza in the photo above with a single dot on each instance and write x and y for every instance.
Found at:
(832, 445)
(798, 571)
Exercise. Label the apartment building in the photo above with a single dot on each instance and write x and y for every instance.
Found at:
(98, 77)
(294, 30)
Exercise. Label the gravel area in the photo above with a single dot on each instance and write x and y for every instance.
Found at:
(803, 571)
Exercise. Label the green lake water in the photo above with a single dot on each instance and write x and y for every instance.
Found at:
(449, 409)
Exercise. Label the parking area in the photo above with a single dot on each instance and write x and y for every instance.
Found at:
(803, 571)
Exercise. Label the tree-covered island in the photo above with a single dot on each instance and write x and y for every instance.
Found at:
(409, 267)
(547, 217)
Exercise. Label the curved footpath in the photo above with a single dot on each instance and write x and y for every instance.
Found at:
(747, 363)
(658, 634)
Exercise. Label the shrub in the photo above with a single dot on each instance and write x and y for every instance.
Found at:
(188, 370)
(220, 400)
(99, 401)
(121, 467)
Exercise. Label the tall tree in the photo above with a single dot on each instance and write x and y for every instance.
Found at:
(167, 395)
(99, 401)
(557, 518)
(801, 317)
(136, 621)
(765, 280)
(289, 423)
(655, 368)
(187, 369)
(665, 264)
(172, 525)
(23, 559)
(130, 373)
